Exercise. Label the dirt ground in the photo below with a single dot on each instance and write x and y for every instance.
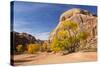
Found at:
(50, 58)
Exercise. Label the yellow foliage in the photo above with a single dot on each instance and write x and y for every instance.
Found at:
(62, 34)
(64, 40)
(33, 48)
(57, 45)
(19, 48)
(69, 25)
(83, 35)
(54, 45)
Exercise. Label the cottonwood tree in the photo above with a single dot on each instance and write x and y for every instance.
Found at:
(68, 37)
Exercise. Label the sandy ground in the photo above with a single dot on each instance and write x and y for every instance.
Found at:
(49, 58)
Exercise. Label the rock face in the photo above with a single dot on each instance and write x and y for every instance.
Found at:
(86, 21)
(22, 38)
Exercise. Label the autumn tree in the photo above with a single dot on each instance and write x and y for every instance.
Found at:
(33, 48)
(68, 37)
(56, 45)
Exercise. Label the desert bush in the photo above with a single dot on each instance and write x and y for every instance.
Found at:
(82, 36)
(19, 48)
(44, 47)
(33, 48)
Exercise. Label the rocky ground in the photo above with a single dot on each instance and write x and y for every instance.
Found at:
(50, 58)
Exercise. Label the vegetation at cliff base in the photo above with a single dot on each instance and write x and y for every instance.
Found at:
(68, 37)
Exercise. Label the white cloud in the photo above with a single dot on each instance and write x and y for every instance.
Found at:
(42, 36)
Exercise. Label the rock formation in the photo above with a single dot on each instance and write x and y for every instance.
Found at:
(23, 38)
(86, 21)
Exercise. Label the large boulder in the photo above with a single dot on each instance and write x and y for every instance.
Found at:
(86, 21)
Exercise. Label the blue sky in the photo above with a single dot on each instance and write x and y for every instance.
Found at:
(39, 19)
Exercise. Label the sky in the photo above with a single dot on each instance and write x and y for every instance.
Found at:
(39, 19)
